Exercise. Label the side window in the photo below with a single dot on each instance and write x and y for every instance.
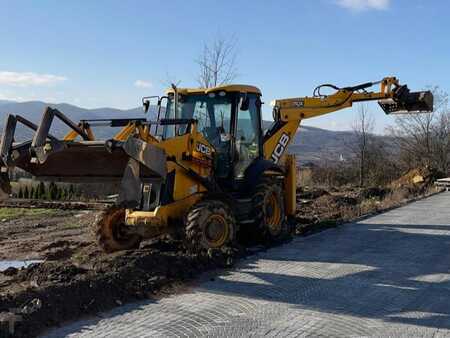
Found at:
(248, 128)
(214, 122)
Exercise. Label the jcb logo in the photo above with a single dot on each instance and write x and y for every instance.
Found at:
(202, 148)
(280, 147)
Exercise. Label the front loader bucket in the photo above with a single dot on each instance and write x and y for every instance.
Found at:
(87, 161)
(406, 102)
(51, 159)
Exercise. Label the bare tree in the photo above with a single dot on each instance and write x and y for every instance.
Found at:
(362, 142)
(217, 62)
(424, 139)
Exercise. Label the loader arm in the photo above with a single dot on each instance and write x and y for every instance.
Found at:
(288, 113)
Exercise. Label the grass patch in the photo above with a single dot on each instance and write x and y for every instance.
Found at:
(11, 213)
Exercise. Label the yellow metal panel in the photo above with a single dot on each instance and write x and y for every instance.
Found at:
(227, 88)
(162, 214)
(71, 135)
(290, 185)
(90, 134)
(125, 132)
(275, 146)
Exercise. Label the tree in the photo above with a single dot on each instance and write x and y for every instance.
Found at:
(71, 194)
(41, 190)
(362, 141)
(59, 192)
(26, 193)
(52, 192)
(217, 62)
(424, 139)
(62, 193)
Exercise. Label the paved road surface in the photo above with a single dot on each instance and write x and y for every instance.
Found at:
(388, 275)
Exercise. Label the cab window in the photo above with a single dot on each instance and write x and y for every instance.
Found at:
(212, 111)
(248, 133)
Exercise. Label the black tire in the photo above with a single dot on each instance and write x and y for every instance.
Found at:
(110, 231)
(210, 224)
(268, 211)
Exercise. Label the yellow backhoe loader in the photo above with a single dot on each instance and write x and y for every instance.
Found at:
(205, 167)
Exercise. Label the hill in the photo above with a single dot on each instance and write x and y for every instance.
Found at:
(33, 111)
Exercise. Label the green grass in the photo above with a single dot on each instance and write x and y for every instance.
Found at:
(11, 213)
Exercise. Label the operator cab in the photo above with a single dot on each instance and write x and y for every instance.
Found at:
(229, 117)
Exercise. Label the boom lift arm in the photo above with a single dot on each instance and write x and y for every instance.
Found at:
(288, 113)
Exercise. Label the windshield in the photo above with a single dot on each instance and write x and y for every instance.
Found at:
(212, 111)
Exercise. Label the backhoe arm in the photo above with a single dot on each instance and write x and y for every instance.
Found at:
(288, 113)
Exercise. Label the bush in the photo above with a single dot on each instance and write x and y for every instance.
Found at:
(26, 193)
(41, 193)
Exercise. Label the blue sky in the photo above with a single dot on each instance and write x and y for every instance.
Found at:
(110, 53)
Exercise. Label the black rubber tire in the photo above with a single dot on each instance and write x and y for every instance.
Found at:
(108, 226)
(196, 225)
(266, 189)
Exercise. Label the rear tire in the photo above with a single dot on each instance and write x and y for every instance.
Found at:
(268, 211)
(111, 232)
(210, 225)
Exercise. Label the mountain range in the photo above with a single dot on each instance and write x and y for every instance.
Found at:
(310, 144)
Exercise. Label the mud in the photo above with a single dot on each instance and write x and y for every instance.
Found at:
(76, 278)
(91, 281)
(44, 233)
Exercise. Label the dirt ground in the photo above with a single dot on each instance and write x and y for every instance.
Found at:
(76, 279)
(50, 234)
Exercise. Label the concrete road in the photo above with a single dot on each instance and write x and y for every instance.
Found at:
(388, 275)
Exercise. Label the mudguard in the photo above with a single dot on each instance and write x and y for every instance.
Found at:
(255, 170)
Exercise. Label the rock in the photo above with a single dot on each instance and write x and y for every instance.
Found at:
(31, 307)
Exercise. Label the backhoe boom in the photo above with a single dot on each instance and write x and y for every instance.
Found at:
(288, 113)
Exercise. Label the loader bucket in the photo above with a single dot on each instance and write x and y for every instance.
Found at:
(50, 159)
(406, 102)
(88, 161)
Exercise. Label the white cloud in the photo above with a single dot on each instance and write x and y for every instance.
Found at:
(362, 5)
(142, 84)
(29, 79)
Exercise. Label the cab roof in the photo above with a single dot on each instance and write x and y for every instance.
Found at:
(227, 88)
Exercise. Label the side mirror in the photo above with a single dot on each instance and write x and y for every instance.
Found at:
(146, 105)
(245, 103)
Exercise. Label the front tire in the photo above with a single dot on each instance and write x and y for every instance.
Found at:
(210, 224)
(268, 210)
(111, 232)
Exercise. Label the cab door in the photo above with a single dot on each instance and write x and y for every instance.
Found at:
(247, 133)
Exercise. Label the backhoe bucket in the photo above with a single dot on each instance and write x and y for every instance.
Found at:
(406, 102)
(50, 159)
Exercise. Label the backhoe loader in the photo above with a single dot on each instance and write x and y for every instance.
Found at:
(204, 167)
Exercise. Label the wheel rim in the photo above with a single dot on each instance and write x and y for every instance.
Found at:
(272, 213)
(216, 231)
